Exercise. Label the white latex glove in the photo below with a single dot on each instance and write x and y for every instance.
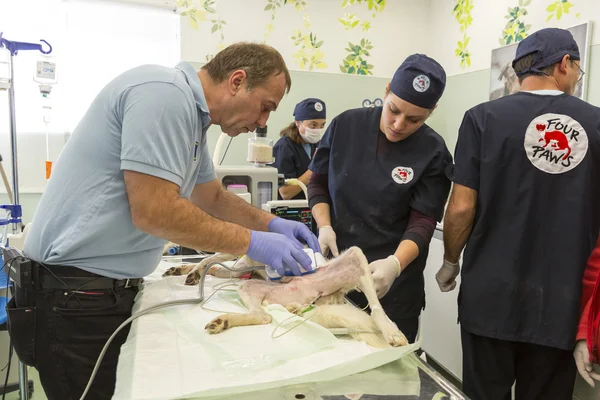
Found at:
(446, 276)
(584, 366)
(327, 240)
(384, 272)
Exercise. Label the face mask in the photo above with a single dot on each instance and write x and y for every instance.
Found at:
(312, 135)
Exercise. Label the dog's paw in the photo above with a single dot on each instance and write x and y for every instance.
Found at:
(395, 339)
(193, 278)
(217, 325)
(178, 271)
(392, 335)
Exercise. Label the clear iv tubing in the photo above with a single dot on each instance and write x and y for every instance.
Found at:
(47, 145)
(158, 307)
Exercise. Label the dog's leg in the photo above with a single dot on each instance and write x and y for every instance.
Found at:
(194, 275)
(390, 331)
(187, 268)
(219, 271)
(362, 327)
(181, 270)
(255, 316)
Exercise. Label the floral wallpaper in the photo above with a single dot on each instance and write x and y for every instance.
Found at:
(347, 44)
(353, 36)
(308, 55)
(462, 14)
(559, 8)
(516, 29)
(356, 61)
(200, 11)
(274, 5)
(357, 58)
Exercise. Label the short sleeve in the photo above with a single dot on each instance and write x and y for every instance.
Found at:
(431, 191)
(284, 159)
(467, 154)
(320, 162)
(206, 173)
(158, 124)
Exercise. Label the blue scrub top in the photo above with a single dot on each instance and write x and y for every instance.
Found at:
(535, 163)
(374, 184)
(292, 160)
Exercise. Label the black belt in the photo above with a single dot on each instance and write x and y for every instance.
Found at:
(60, 277)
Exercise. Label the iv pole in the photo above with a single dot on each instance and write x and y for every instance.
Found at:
(14, 47)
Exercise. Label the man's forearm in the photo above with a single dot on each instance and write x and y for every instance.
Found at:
(458, 224)
(232, 208)
(189, 226)
(321, 214)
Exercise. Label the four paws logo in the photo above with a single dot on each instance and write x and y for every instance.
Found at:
(421, 83)
(555, 143)
(402, 175)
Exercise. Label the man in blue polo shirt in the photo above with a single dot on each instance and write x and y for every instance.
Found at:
(135, 173)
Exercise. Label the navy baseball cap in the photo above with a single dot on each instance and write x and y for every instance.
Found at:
(310, 109)
(548, 46)
(420, 80)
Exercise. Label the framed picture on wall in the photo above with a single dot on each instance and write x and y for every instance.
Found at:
(504, 81)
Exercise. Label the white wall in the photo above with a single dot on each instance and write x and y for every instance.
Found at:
(93, 41)
(395, 32)
(489, 23)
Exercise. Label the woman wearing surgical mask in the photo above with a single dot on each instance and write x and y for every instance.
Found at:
(296, 148)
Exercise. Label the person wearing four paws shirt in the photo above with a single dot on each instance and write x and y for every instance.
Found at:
(526, 202)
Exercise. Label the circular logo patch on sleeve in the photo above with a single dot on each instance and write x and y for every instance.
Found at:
(555, 143)
(402, 175)
(421, 83)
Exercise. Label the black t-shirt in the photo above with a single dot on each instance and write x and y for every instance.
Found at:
(535, 161)
(291, 160)
(374, 184)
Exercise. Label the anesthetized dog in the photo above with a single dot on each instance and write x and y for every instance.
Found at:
(326, 288)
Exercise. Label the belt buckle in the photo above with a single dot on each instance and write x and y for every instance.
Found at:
(127, 285)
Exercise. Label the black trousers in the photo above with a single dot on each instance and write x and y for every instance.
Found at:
(68, 330)
(492, 366)
(408, 326)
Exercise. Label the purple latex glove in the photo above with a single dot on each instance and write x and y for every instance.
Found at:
(278, 251)
(295, 231)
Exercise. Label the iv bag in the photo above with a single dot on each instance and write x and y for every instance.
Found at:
(45, 70)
